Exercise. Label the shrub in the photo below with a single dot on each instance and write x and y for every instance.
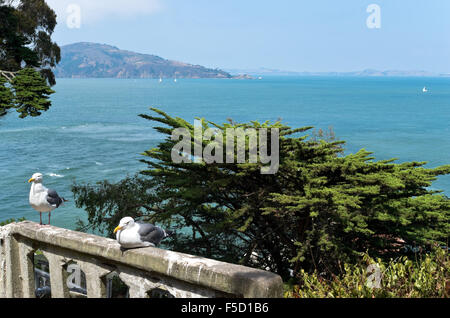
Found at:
(12, 220)
(427, 276)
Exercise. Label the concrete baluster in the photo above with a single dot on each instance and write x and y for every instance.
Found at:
(58, 275)
(95, 282)
(26, 258)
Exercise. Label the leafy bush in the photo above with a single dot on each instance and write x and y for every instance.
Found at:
(11, 221)
(428, 276)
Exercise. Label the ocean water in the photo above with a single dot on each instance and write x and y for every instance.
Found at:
(92, 131)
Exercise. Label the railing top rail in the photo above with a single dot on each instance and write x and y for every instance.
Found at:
(225, 277)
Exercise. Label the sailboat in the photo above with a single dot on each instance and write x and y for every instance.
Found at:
(160, 78)
(175, 79)
(424, 89)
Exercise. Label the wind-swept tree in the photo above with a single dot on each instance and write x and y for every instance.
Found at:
(321, 208)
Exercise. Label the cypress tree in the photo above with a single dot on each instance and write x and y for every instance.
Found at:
(31, 93)
(321, 208)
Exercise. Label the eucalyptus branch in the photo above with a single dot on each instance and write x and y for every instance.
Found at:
(8, 75)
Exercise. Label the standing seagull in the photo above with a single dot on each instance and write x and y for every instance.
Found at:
(43, 199)
(131, 234)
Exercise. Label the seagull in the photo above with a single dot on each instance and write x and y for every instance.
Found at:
(43, 199)
(131, 234)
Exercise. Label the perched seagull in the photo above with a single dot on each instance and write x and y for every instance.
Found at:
(131, 234)
(43, 199)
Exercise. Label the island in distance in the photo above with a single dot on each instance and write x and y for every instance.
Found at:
(93, 60)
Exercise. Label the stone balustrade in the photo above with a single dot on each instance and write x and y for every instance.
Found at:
(143, 270)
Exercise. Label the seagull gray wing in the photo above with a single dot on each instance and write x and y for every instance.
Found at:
(151, 233)
(53, 198)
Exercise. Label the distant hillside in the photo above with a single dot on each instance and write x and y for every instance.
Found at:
(368, 72)
(83, 60)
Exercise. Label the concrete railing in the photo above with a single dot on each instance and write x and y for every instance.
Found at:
(143, 270)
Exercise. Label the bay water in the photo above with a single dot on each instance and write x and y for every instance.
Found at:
(93, 132)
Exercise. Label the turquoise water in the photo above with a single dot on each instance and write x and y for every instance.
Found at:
(92, 131)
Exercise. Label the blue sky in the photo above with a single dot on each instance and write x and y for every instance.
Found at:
(297, 35)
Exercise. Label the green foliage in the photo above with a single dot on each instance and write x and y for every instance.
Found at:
(106, 203)
(31, 93)
(26, 49)
(25, 37)
(8, 221)
(6, 97)
(321, 208)
(428, 276)
(14, 44)
(28, 93)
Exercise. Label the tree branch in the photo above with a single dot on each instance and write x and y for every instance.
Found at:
(8, 75)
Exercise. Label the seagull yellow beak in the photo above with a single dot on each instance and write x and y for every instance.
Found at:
(117, 229)
(31, 180)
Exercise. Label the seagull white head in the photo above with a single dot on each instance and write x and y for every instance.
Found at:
(36, 178)
(124, 223)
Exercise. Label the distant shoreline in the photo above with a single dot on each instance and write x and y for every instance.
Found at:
(254, 77)
(363, 73)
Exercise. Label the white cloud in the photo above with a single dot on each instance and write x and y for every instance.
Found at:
(95, 10)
